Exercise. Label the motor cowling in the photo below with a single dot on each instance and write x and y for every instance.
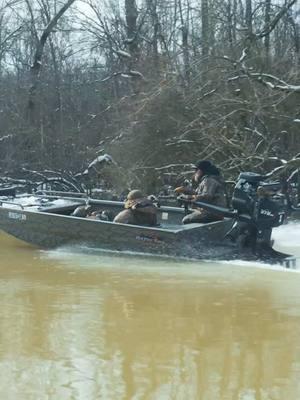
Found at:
(259, 200)
(269, 213)
(243, 198)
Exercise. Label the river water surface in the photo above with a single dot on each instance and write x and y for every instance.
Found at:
(82, 325)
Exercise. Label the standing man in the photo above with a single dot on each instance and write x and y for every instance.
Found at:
(210, 189)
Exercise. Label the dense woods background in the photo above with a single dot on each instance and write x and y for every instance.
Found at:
(151, 82)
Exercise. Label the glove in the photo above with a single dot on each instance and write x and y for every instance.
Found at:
(186, 197)
(180, 190)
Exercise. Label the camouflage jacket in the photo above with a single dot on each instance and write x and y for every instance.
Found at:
(211, 189)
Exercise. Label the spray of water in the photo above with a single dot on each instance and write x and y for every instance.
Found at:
(286, 239)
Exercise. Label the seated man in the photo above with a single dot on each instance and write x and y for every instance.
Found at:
(138, 210)
(210, 189)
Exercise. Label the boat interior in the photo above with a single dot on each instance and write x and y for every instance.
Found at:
(105, 210)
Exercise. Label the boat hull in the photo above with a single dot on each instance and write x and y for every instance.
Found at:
(50, 230)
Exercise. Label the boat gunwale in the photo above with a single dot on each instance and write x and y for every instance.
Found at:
(184, 228)
(82, 200)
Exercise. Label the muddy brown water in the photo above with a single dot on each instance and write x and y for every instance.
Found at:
(85, 325)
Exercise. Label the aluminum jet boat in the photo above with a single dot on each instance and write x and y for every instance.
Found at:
(245, 232)
(50, 225)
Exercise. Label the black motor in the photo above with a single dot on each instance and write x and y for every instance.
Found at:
(259, 200)
(259, 208)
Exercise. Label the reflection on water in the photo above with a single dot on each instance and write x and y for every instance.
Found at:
(99, 326)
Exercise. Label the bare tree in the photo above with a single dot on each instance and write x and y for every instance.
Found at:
(128, 78)
(205, 27)
(267, 23)
(132, 32)
(37, 61)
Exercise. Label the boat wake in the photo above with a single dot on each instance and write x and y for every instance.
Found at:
(91, 257)
(286, 239)
(261, 265)
(288, 236)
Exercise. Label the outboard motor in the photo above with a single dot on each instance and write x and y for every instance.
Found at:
(259, 208)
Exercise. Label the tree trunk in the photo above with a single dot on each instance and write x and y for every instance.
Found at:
(248, 19)
(296, 38)
(37, 62)
(231, 10)
(131, 21)
(205, 27)
(152, 5)
(185, 45)
(267, 23)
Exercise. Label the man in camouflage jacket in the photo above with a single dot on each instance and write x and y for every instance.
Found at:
(210, 189)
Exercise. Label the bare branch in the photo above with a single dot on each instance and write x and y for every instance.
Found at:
(271, 26)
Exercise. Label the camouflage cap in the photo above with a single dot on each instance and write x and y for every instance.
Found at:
(134, 197)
